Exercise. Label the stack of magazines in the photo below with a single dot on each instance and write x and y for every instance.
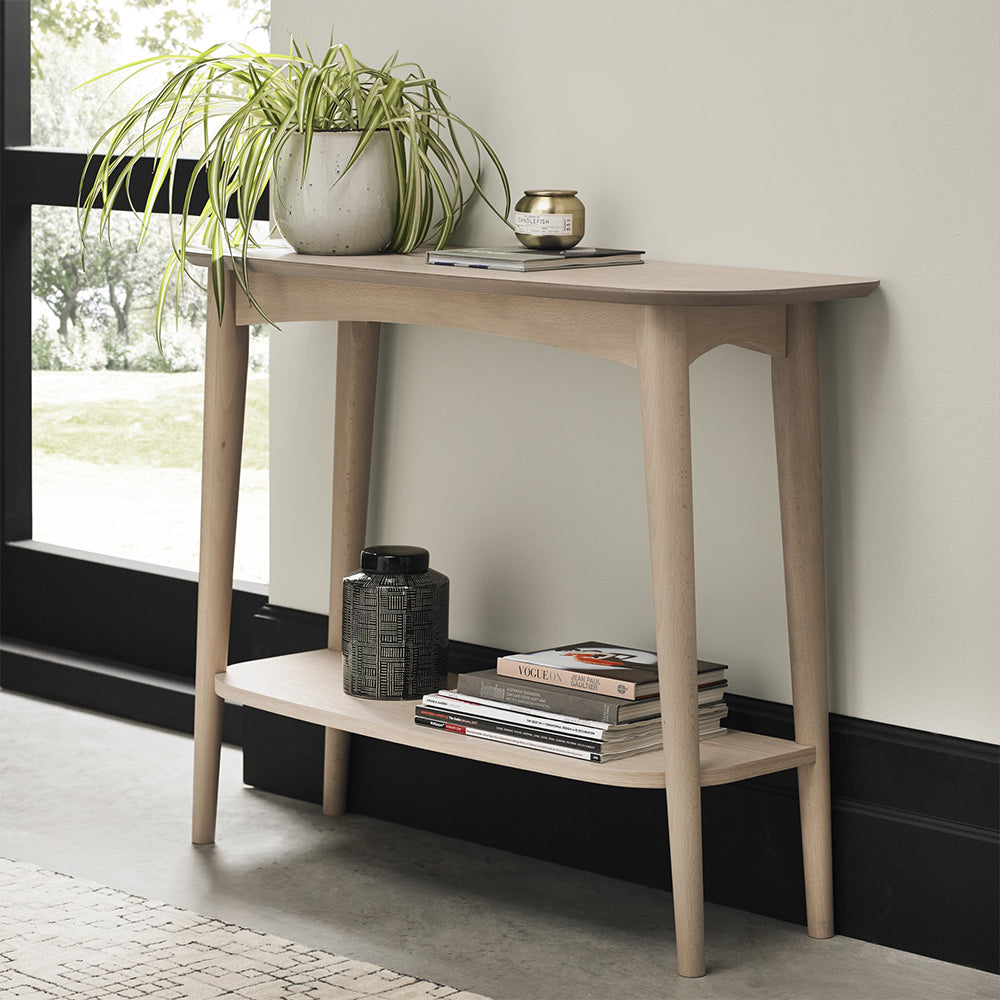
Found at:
(593, 701)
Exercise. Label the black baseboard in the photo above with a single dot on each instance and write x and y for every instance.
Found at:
(115, 689)
(915, 815)
(112, 609)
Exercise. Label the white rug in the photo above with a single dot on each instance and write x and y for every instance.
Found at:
(65, 938)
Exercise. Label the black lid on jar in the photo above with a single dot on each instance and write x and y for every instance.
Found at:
(395, 559)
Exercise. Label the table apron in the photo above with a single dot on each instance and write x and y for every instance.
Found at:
(602, 329)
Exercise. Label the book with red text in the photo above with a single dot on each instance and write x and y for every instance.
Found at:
(598, 668)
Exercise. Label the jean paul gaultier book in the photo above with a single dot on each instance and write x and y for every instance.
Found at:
(599, 667)
(564, 720)
(519, 259)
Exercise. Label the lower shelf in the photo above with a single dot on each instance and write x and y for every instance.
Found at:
(309, 687)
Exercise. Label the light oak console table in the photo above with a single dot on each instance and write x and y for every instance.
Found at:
(657, 317)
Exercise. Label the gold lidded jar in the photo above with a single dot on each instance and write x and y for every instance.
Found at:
(549, 219)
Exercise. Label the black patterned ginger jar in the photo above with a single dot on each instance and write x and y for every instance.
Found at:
(395, 624)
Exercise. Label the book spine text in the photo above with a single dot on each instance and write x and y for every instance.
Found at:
(592, 683)
(539, 697)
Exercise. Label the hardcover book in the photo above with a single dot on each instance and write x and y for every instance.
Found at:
(519, 259)
(597, 667)
(489, 688)
(528, 695)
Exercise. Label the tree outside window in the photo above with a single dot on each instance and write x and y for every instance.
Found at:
(116, 423)
(98, 316)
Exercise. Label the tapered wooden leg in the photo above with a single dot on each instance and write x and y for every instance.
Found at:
(357, 373)
(336, 759)
(795, 390)
(225, 399)
(666, 425)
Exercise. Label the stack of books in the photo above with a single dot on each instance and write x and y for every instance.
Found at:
(594, 701)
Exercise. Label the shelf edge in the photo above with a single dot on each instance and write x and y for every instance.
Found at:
(314, 677)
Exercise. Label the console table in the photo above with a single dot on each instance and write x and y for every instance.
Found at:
(657, 317)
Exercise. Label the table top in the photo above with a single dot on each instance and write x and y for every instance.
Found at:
(649, 283)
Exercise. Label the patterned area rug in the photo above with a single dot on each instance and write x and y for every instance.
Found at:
(64, 938)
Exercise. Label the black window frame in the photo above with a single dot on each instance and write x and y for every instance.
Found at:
(136, 614)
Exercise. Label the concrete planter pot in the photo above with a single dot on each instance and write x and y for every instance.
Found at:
(331, 212)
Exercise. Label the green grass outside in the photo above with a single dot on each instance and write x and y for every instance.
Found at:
(163, 431)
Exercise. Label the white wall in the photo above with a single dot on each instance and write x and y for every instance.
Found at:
(840, 136)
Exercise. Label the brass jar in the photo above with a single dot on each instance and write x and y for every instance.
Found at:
(549, 219)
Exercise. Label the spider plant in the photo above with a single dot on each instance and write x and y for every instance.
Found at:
(242, 106)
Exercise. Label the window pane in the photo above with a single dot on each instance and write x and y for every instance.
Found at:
(116, 425)
(73, 41)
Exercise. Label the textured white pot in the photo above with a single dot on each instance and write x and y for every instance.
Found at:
(332, 212)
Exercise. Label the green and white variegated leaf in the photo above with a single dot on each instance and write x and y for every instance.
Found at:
(245, 105)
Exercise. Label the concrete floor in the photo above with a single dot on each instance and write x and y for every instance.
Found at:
(109, 801)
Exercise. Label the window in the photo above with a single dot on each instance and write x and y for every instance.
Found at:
(101, 433)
